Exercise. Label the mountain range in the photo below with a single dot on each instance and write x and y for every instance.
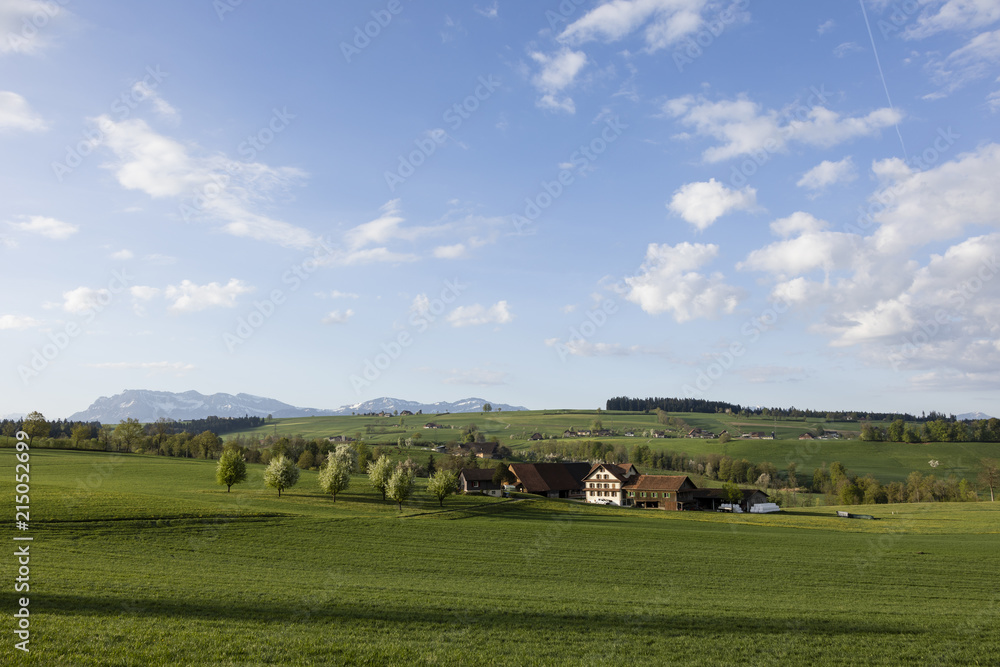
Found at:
(148, 406)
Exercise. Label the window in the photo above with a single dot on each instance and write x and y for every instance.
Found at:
(666, 495)
(475, 485)
(653, 494)
(631, 494)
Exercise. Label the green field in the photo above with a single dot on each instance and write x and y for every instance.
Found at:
(144, 560)
(886, 461)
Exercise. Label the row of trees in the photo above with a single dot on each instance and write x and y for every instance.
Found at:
(937, 430)
(393, 481)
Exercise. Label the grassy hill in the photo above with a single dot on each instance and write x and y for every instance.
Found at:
(888, 462)
(144, 560)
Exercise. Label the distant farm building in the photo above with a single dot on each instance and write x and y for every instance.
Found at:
(552, 480)
(478, 480)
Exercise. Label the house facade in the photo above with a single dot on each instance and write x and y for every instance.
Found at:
(665, 492)
(604, 484)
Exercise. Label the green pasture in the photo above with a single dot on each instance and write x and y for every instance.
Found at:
(144, 560)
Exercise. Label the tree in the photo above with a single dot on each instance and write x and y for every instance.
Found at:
(306, 460)
(80, 432)
(232, 468)
(35, 426)
(346, 455)
(733, 493)
(502, 475)
(431, 467)
(379, 472)
(400, 485)
(128, 433)
(281, 473)
(989, 475)
(724, 438)
(207, 442)
(441, 484)
(487, 407)
(598, 426)
(335, 476)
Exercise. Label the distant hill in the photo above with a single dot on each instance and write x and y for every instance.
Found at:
(973, 416)
(148, 406)
(386, 404)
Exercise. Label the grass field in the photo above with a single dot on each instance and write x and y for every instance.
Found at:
(886, 461)
(144, 560)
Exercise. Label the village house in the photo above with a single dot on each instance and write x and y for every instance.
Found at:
(432, 425)
(605, 481)
(483, 450)
(536, 436)
(478, 480)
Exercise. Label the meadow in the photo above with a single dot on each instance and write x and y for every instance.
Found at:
(886, 461)
(144, 560)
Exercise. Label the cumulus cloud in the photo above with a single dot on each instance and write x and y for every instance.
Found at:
(43, 226)
(338, 317)
(557, 72)
(17, 114)
(953, 15)
(26, 26)
(812, 249)
(476, 314)
(455, 251)
(666, 22)
(82, 299)
(17, 322)
(668, 282)
(743, 127)
(703, 203)
(916, 207)
(828, 173)
(206, 186)
(190, 297)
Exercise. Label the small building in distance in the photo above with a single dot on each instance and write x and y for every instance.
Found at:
(552, 480)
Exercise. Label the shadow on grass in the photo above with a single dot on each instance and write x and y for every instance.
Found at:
(509, 621)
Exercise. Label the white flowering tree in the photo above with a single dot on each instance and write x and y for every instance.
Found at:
(379, 473)
(400, 485)
(335, 476)
(281, 473)
(443, 483)
(232, 469)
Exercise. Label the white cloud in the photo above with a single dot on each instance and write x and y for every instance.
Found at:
(828, 173)
(159, 260)
(47, 227)
(476, 314)
(826, 26)
(455, 251)
(558, 71)
(189, 297)
(26, 25)
(213, 187)
(82, 299)
(669, 21)
(123, 254)
(144, 292)
(977, 59)
(668, 282)
(940, 203)
(142, 91)
(490, 12)
(958, 15)
(17, 322)
(703, 203)
(338, 317)
(17, 114)
(812, 249)
(337, 294)
(579, 347)
(742, 127)
(846, 48)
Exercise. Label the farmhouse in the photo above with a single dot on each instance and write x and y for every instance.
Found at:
(536, 436)
(552, 480)
(605, 481)
(483, 450)
(478, 480)
(432, 425)
(666, 492)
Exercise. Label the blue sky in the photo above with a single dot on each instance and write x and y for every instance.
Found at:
(546, 204)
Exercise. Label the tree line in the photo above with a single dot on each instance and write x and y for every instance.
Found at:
(629, 404)
(937, 430)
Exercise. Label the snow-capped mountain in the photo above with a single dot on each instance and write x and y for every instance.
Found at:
(148, 406)
(386, 404)
(973, 416)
